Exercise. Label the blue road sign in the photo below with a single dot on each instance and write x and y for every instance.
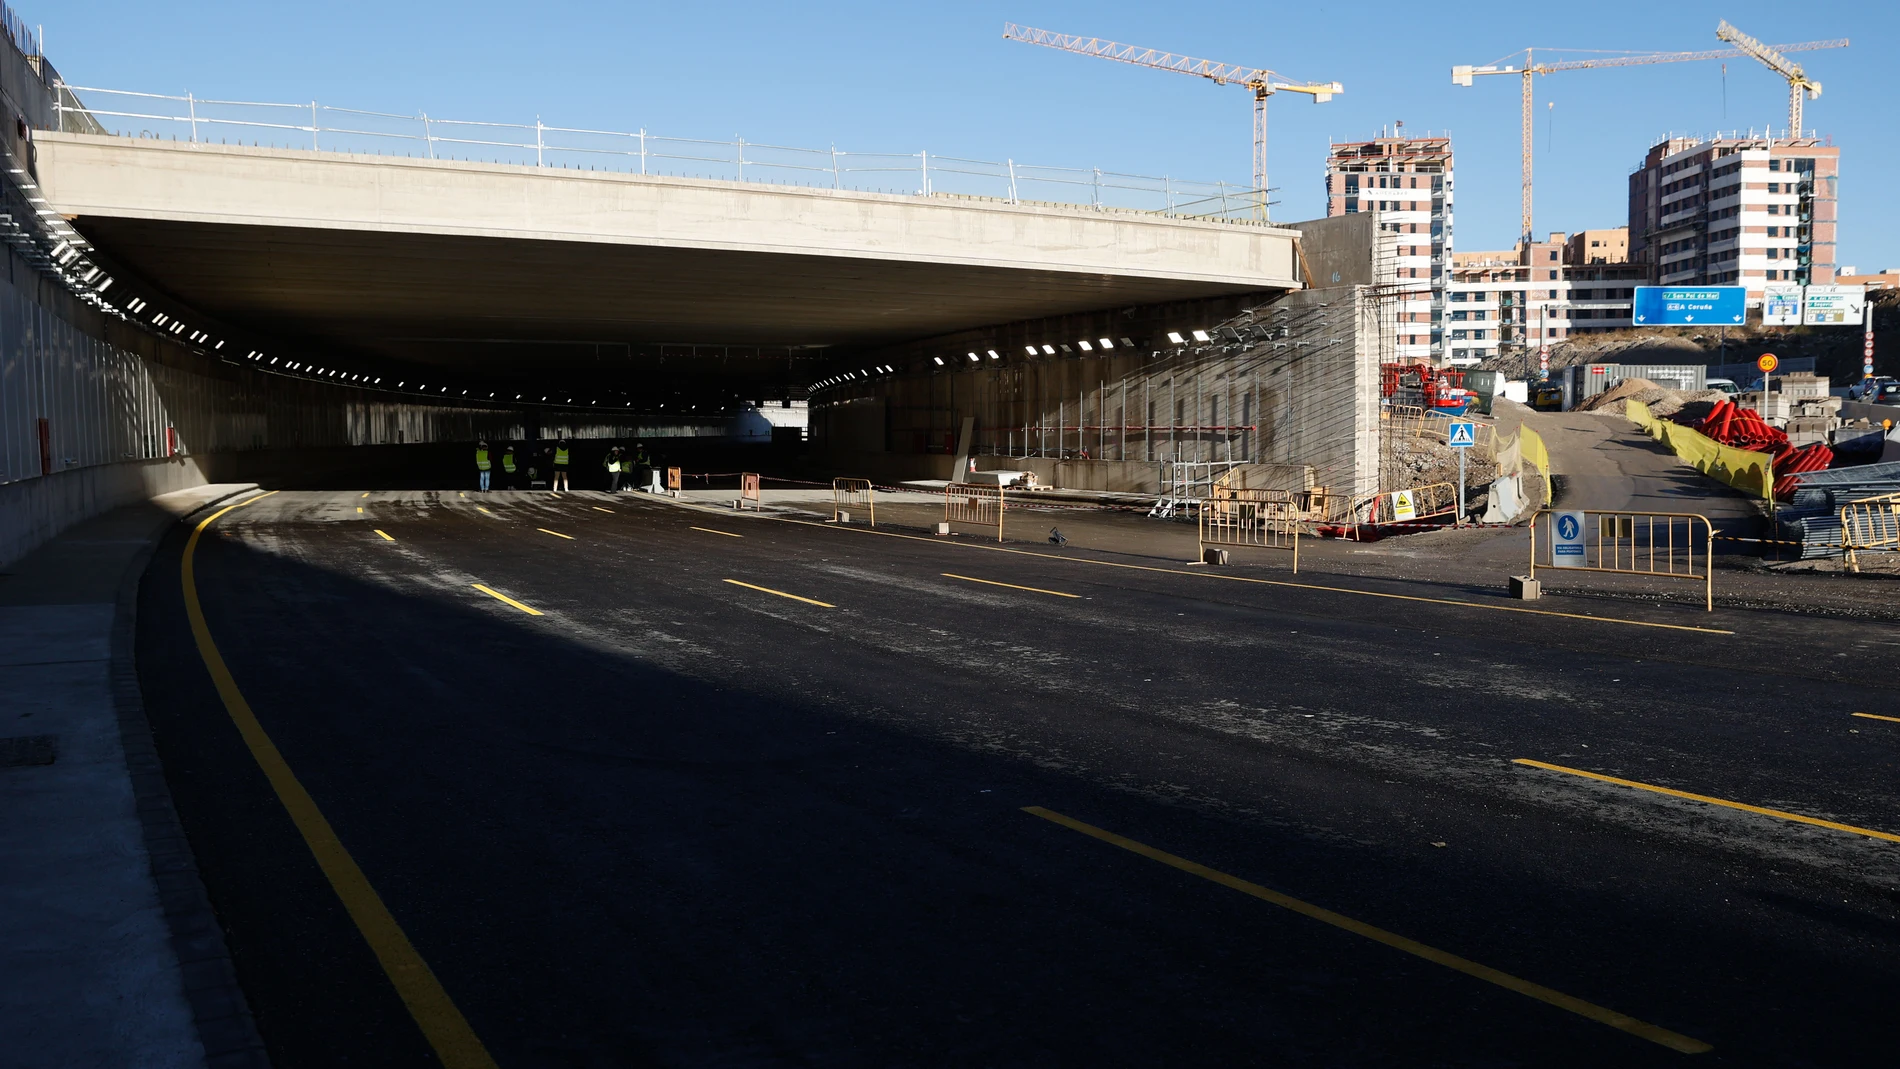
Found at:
(1688, 306)
(1463, 435)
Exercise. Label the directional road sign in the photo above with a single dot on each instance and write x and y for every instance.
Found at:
(1463, 435)
(1689, 306)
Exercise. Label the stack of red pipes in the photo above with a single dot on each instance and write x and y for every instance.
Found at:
(1743, 428)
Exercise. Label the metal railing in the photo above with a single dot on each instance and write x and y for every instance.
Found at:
(849, 494)
(1394, 507)
(1870, 524)
(1664, 545)
(1185, 484)
(324, 128)
(1232, 523)
(980, 506)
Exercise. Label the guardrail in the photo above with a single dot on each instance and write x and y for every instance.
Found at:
(980, 506)
(1664, 545)
(1232, 523)
(324, 128)
(1872, 523)
(848, 494)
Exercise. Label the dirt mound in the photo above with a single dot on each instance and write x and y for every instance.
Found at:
(1619, 393)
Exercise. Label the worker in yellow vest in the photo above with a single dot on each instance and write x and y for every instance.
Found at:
(481, 461)
(560, 466)
(508, 468)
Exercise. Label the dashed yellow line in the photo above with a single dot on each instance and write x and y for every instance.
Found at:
(455, 1043)
(385, 534)
(1012, 586)
(1622, 1022)
(478, 508)
(498, 596)
(783, 594)
(556, 534)
(1875, 716)
(709, 530)
(359, 510)
(366, 493)
(597, 508)
(1270, 582)
(1725, 803)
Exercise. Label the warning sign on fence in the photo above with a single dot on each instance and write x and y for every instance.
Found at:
(1402, 506)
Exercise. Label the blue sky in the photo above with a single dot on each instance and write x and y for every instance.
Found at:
(898, 78)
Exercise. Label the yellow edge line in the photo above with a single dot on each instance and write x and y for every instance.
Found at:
(1875, 716)
(1655, 1034)
(709, 530)
(597, 508)
(383, 533)
(531, 611)
(447, 1031)
(556, 534)
(1725, 803)
(1269, 582)
(1012, 586)
(782, 594)
(478, 508)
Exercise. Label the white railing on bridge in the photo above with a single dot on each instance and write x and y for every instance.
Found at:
(324, 128)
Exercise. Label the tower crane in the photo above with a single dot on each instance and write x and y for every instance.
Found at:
(1263, 82)
(1462, 75)
(1799, 84)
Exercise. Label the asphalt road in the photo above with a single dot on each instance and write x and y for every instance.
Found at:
(677, 820)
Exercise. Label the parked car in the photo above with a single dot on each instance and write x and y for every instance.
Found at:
(1727, 386)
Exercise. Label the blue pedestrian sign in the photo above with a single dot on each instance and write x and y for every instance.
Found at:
(1463, 435)
(1689, 306)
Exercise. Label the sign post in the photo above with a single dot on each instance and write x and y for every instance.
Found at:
(1462, 437)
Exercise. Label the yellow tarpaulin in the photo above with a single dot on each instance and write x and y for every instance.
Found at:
(1744, 469)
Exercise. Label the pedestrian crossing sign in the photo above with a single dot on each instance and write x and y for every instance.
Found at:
(1463, 435)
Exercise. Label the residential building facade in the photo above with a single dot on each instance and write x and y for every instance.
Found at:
(1408, 182)
(1736, 211)
(1516, 301)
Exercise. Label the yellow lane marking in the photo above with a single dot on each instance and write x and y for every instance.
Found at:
(366, 493)
(385, 535)
(478, 508)
(359, 509)
(464, 493)
(1875, 716)
(597, 508)
(498, 596)
(554, 494)
(1012, 586)
(709, 530)
(429, 1004)
(781, 593)
(1271, 582)
(556, 534)
(1725, 803)
(1655, 1034)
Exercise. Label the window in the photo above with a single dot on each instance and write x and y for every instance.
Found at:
(1478, 334)
(1553, 275)
(1478, 313)
(1458, 315)
(1553, 258)
(1352, 204)
(1774, 209)
(1458, 335)
(1458, 295)
(1774, 165)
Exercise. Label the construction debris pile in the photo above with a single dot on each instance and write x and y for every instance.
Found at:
(1662, 401)
(1416, 460)
(1812, 516)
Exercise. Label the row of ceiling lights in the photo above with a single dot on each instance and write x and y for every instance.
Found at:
(1104, 344)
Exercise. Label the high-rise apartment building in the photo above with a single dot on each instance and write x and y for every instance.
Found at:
(1736, 211)
(1407, 181)
(1516, 301)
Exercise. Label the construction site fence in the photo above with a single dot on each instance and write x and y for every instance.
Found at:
(1412, 421)
(1664, 545)
(1745, 470)
(979, 506)
(1870, 525)
(1409, 505)
(1232, 523)
(850, 495)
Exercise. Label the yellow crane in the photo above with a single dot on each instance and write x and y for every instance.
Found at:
(1799, 84)
(1462, 75)
(1263, 82)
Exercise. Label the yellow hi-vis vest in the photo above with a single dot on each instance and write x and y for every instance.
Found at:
(508, 462)
(560, 458)
(481, 460)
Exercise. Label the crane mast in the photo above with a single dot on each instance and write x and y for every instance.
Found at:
(1262, 81)
(1799, 84)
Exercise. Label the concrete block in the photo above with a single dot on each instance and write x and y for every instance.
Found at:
(943, 528)
(1524, 588)
(844, 517)
(1213, 556)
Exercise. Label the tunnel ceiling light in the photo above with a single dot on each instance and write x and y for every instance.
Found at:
(58, 249)
(158, 319)
(1201, 335)
(1176, 338)
(1106, 343)
(1030, 349)
(1066, 349)
(993, 355)
(273, 360)
(974, 358)
(1128, 343)
(939, 360)
(1086, 347)
(103, 285)
(1049, 350)
(220, 344)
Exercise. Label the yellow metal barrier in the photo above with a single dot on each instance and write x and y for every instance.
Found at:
(1237, 523)
(1872, 523)
(978, 505)
(749, 489)
(1399, 506)
(1531, 447)
(849, 494)
(1744, 469)
(1665, 545)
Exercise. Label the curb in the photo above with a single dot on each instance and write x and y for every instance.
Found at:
(219, 1011)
